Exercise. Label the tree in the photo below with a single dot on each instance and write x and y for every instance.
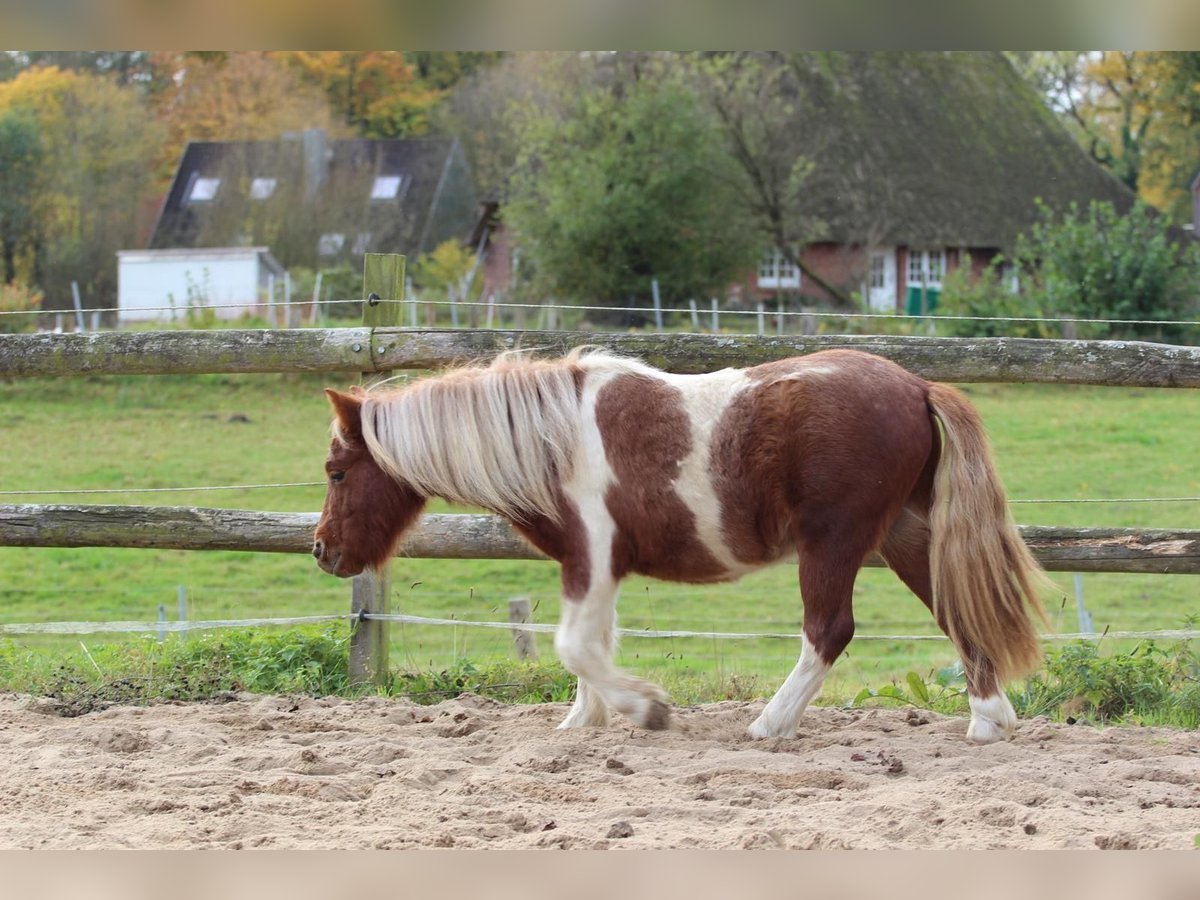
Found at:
(232, 97)
(481, 112)
(1136, 112)
(20, 162)
(758, 99)
(375, 92)
(91, 180)
(623, 179)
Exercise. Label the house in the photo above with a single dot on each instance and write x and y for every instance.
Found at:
(167, 285)
(924, 162)
(318, 202)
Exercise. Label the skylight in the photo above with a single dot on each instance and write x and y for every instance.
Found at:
(262, 188)
(386, 187)
(203, 189)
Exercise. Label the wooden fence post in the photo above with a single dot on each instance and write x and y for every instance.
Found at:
(519, 613)
(383, 307)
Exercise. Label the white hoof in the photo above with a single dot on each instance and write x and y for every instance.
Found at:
(992, 719)
(763, 728)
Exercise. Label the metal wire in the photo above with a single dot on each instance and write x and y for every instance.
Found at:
(765, 311)
(210, 624)
(165, 490)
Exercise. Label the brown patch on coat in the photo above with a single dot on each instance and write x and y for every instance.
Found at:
(647, 435)
(564, 541)
(820, 456)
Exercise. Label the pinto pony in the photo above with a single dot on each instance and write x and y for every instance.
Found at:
(611, 467)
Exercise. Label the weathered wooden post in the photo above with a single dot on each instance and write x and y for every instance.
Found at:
(519, 613)
(383, 306)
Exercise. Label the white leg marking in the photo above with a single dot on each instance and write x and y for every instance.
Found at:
(581, 647)
(586, 632)
(992, 719)
(783, 713)
(588, 710)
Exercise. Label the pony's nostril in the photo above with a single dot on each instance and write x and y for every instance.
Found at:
(318, 549)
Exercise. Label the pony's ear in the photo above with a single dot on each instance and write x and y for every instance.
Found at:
(348, 409)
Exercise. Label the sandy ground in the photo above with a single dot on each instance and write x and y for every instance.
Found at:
(282, 772)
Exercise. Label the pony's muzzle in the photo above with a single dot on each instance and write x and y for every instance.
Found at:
(325, 561)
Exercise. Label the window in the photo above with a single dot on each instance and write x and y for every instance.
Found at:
(776, 272)
(926, 267)
(262, 188)
(362, 243)
(330, 244)
(878, 271)
(203, 189)
(386, 187)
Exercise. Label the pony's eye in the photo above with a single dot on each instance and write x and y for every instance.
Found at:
(337, 476)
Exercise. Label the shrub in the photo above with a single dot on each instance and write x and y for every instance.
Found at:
(991, 295)
(1148, 684)
(17, 297)
(1103, 265)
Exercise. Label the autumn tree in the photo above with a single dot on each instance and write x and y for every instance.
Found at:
(90, 181)
(1136, 112)
(233, 97)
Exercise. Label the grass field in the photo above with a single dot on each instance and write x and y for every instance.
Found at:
(120, 433)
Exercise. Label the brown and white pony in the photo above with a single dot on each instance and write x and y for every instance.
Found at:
(610, 467)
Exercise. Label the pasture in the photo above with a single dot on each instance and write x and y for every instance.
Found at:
(1063, 442)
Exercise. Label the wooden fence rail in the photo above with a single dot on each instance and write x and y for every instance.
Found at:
(465, 536)
(365, 349)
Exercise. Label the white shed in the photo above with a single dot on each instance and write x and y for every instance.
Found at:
(160, 285)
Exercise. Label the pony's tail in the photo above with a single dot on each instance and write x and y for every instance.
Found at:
(983, 574)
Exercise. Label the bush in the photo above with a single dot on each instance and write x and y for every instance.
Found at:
(1102, 265)
(16, 297)
(1090, 265)
(990, 295)
(1149, 684)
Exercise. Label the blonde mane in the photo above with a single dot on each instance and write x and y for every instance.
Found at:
(501, 436)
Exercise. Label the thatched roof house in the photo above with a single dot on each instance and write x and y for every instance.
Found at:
(923, 161)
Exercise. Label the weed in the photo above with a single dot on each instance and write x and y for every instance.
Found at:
(1147, 685)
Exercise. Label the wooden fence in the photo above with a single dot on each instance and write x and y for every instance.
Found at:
(378, 346)
(385, 349)
(467, 536)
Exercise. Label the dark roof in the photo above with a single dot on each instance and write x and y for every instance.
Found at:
(936, 148)
(322, 187)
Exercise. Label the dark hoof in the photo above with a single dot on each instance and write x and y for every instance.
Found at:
(658, 716)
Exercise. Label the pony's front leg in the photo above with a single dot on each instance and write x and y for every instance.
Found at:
(585, 641)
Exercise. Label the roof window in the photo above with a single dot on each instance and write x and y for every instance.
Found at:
(203, 189)
(386, 187)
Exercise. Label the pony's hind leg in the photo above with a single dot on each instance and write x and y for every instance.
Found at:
(906, 550)
(584, 642)
(826, 584)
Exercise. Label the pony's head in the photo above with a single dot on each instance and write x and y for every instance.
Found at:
(366, 510)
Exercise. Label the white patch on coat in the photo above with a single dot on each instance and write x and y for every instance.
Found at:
(706, 398)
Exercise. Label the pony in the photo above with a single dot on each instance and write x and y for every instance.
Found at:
(612, 467)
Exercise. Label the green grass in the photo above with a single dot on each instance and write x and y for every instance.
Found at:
(115, 433)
